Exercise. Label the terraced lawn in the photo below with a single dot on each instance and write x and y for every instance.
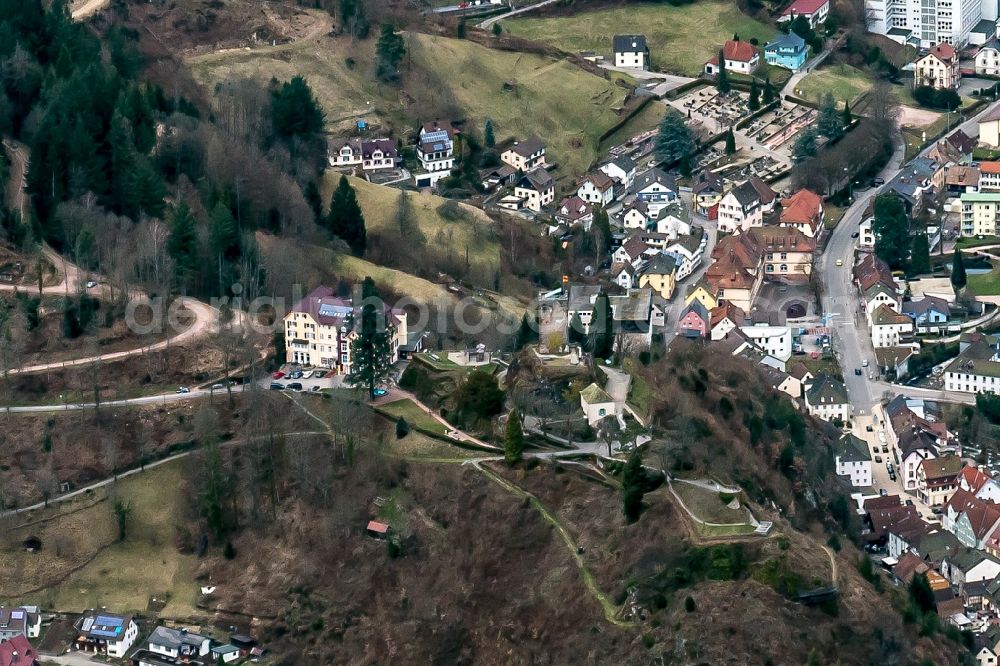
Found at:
(680, 39)
(844, 81)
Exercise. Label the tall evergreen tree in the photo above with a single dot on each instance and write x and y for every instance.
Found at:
(576, 334)
(958, 276)
(371, 352)
(829, 122)
(346, 220)
(295, 111)
(389, 53)
(513, 439)
(602, 228)
(674, 140)
(754, 103)
(632, 487)
(805, 144)
(920, 255)
(223, 236)
(768, 91)
(891, 228)
(488, 137)
(730, 142)
(722, 77)
(182, 244)
(601, 335)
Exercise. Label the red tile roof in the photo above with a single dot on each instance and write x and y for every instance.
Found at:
(944, 52)
(803, 207)
(738, 51)
(727, 309)
(26, 655)
(974, 478)
(807, 7)
(989, 167)
(377, 527)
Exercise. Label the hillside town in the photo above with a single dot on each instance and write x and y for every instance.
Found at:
(326, 332)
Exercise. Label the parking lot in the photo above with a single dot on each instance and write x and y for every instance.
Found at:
(289, 374)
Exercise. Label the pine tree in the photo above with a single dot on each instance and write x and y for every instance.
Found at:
(488, 137)
(805, 144)
(346, 220)
(958, 276)
(513, 439)
(632, 487)
(406, 219)
(371, 353)
(122, 160)
(223, 236)
(602, 228)
(768, 91)
(829, 122)
(754, 103)
(674, 140)
(730, 142)
(390, 51)
(601, 327)
(295, 111)
(891, 228)
(722, 78)
(182, 244)
(920, 255)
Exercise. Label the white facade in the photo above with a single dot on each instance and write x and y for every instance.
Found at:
(859, 471)
(980, 212)
(734, 217)
(928, 21)
(910, 465)
(971, 381)
(888, 335)
(626, 178)
(633, 219)
(866, 237)
(988, 60)
(776, 341)
(589, 192)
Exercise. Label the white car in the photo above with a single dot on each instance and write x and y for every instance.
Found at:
(91, 284)
(307, 374)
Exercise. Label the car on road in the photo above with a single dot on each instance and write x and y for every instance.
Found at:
(857, 371)
(878, 181)
(864, 363)
(885, 449)
(294, 386)
(883, 492)
(854, 235)
(868, 428)
(840, 262)
(315, 388)
(278, 375)
(91, 284)
(878, 459)
(276, 386)
(909, 502)
(218, 387)
(183, 389)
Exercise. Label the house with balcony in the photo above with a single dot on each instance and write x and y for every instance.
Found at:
(937, 479)
(370, 154)
(597, 188)
(656, 189)
(19, 621)
(436, 153)
(740, 209)
(938, 68)
(815, 11)
(526, 155)
(788, 51)
(622, 168)
(105, 634)
(889, 328)
(535, 190)
(980, 213)
(707, 190)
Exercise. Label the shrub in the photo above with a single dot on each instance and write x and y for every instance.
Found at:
(229, 551)
(402, 428)
(689, 604)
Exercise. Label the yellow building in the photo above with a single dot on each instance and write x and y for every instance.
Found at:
(660, 275)
(318, 331)
(980, 212)
(704, 293)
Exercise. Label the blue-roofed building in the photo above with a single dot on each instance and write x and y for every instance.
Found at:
(105, 633)
(788, 51)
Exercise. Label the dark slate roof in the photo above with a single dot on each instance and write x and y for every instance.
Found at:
(539, 179)
(661, 264)
(654, 175)
(850, 448)
(825, 390)
(746, 194)
(630, 43)
(528, 147)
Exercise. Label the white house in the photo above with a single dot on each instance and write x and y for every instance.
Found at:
(815, 11)
(740, 209)
(826, 398)
(741, 57)
(370, 154)
(178, 643)
(988, 58)
(775, 341)
(436, 153)
(536, 190)
(635, 215)
(525, 155)
(866, 237)
(19, 621)
(969, 566)
(597, 188)
(622, 169)
(688, 250)
(854, 460)
(597, 404)
(979, 483)
(889, 328)
(656, 189)
(105, 633)
(976, 369)
(631, 51)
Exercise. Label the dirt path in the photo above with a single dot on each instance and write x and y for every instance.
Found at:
(17, 179)
(833, 565)
(88, 8)
(610, 610)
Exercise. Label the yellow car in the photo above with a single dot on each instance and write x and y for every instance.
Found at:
(840, 262)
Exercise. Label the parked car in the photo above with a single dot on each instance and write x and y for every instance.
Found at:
(854, 235)
(379, 392)
(276, 386)
(878, 459)
(294, 386)
(278, 375)
(883, 492)
(878, 181)
(296, 375)
(864, 363)
(91, 284)
(840, 262)
(885, 449)
(307, 374)
(183, 389)
(319, 374)
(857, 371)
(315, 388)
(868, 428)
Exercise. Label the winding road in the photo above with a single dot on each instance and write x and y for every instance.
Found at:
(485, 25)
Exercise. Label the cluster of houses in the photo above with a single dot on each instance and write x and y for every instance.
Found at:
(107, 635)
(636, 313)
